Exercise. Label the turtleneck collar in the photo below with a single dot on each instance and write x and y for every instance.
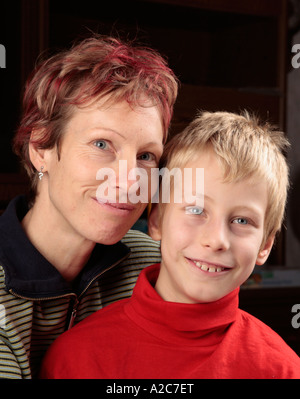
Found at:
(179, 322)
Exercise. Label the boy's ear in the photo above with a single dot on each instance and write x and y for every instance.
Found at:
(265, 251)
(154, 223)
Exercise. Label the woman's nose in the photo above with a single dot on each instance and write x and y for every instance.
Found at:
(116, 180)
(126, 174)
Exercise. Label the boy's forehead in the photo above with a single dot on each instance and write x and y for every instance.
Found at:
(205, 170)
(207, 162)
(196, 158)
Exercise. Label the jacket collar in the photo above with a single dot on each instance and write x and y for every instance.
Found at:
(30, 275)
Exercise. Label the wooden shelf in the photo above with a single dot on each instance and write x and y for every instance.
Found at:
(11, 185)
(253, 7)
(266, 103)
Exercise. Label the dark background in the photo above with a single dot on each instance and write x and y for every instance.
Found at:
(228, 54)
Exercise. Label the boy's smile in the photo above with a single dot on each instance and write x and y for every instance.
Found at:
(209, 251)
(209, 267)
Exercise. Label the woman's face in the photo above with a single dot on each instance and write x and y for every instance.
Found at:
(98, 137)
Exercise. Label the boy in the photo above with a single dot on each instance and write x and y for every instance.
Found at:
(183, 319)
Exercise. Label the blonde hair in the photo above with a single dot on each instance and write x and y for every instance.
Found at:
(245, 147)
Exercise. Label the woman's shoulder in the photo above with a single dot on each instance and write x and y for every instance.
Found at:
(136, 239)
(144, 251)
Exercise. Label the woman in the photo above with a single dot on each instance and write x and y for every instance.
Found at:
(61, 258)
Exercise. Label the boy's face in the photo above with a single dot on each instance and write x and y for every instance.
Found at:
(208, 252)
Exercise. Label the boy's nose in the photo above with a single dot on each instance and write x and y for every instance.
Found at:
(215, 235)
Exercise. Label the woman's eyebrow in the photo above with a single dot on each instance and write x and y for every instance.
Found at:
(108, 130)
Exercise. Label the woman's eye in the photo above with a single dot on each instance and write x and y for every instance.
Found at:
(147, 156)
(193, 210)
(240, 221)
(102, 144)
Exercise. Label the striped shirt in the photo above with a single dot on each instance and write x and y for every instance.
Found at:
(37, 305)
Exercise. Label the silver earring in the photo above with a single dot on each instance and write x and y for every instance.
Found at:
(41, 174)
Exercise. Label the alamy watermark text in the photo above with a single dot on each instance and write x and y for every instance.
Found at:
(296, 318)
(2, 56)
(137, 185)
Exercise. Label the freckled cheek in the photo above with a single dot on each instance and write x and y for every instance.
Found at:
(247, 255)
(176, 238)
(153, 182)
(83, 174)
(82, 159)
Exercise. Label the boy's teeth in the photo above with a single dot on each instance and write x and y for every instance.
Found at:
(210, 269)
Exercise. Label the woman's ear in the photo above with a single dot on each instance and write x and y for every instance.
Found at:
(265, 251)
(36, 154)
(154, 223)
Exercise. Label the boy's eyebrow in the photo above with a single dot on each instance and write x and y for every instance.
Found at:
(252, 209)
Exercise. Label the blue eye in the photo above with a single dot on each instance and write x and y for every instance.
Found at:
(147, 156)
(102, 144)
(193, 210)
(240, 221)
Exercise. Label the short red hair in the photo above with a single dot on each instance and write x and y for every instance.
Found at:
(96, 67)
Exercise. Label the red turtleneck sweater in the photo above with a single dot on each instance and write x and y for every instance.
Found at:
(147, 337)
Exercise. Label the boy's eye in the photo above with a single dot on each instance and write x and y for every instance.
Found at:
(240, 221)
(193, 210)
(102, 144)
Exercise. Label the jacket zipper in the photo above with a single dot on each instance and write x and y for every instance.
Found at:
(71, 320)
(76, 301)
(100, 274)
(70, 323)
(11, 291)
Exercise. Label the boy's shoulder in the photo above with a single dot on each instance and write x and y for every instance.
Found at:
(258, 330)
(100, 335)
(111, 316)
(266, 347)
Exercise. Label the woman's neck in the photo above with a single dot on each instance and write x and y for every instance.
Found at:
(63, 247)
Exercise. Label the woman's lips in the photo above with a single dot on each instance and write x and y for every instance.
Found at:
(117, 206)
